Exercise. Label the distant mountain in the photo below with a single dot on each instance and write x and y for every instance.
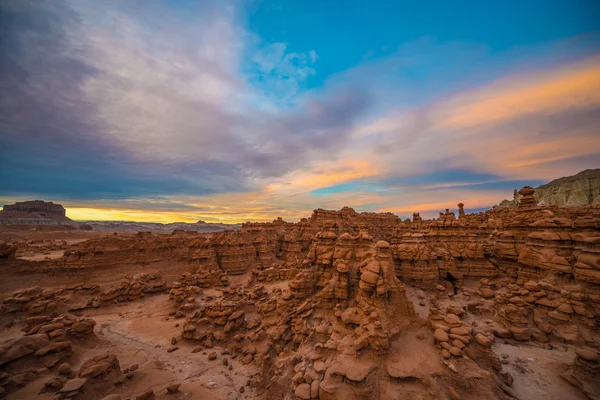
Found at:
(577, 190)
(127, 226)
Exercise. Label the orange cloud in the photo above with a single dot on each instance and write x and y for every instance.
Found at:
(326, 174)
(428, 204)
(572, 87)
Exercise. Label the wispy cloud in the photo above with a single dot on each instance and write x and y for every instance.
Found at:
(186, 113)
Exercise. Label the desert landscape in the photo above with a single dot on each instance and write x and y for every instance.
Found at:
(299, 200)
(499, 304)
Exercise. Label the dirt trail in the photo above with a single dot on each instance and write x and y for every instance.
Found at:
(138, 333)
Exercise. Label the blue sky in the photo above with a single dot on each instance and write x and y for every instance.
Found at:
(238, 110)
(354, 31)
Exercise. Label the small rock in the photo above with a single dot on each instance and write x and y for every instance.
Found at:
(452, 319)
(148, 395)
(588, 355)
(455, 351)
(440, 335)
(173, 387)
(483, 340)
(73, 384)
(314, 389)
(65, 369)
(507, 378)
(452, 394)
(212, 355)
(565, 308)
(502, 333)
(303, 391)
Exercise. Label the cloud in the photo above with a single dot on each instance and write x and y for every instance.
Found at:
(501, 129)
(181, 111)
(106, 101)
(279, 75)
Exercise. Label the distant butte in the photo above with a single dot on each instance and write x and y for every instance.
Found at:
(35, 212)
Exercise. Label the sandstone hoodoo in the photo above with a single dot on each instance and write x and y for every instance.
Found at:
(340, 304)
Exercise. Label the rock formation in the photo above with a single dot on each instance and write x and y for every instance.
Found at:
(584, 372)
(36, 206)
(8, 250)
(576, 190)
(36, 212)
(341, 304)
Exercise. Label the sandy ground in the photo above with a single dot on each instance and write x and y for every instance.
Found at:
(537, 371)
(140, 333)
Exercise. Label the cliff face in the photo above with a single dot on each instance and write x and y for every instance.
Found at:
(37, 206)
(35, 212)
(576, 190)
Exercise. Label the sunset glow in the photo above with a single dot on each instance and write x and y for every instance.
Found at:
(194, 111)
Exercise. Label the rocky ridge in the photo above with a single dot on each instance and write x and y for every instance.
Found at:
(576, 190)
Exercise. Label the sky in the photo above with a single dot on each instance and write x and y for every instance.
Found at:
(247, 110)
